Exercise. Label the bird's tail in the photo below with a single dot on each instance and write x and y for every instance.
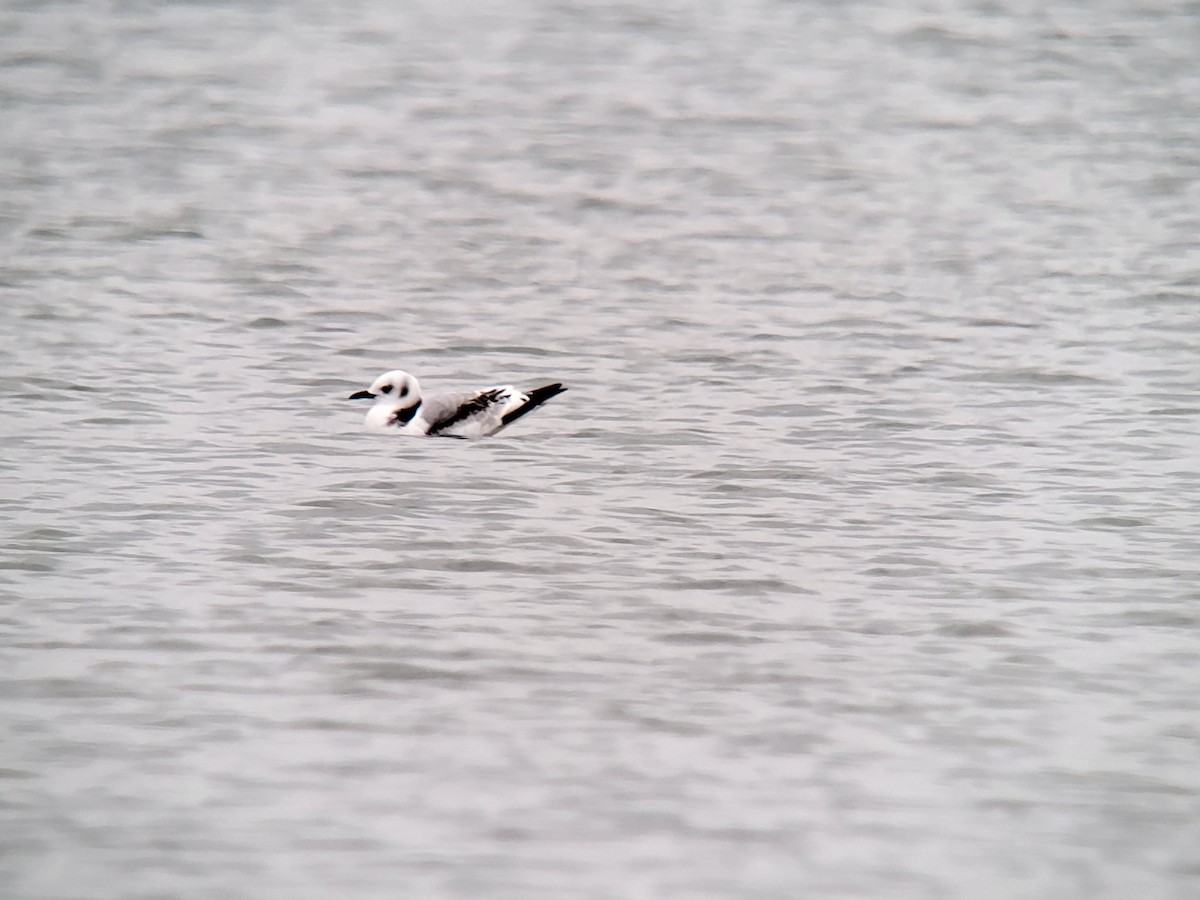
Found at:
(537, 397)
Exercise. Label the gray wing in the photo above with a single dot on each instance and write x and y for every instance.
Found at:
(444, 411)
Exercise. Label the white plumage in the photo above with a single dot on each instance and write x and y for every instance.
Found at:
(401, 408)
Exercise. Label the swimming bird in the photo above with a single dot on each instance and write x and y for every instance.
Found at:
(401, 408)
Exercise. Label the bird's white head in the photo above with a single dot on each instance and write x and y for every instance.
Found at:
(397, 398)
(395, 388)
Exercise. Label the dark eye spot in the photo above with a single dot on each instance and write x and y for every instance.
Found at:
(386, 389)
(403, 391)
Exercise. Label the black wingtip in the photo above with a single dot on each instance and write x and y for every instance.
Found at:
(537, 397)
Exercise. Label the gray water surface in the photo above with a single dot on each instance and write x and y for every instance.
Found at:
(861, 560)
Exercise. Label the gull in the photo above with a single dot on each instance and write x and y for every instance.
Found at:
(401, 408)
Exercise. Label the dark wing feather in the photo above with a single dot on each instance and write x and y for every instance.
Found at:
(537, 397)
(474, 405)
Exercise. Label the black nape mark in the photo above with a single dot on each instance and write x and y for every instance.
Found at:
(402, 417)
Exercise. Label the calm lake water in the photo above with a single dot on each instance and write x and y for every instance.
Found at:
(861, 560)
